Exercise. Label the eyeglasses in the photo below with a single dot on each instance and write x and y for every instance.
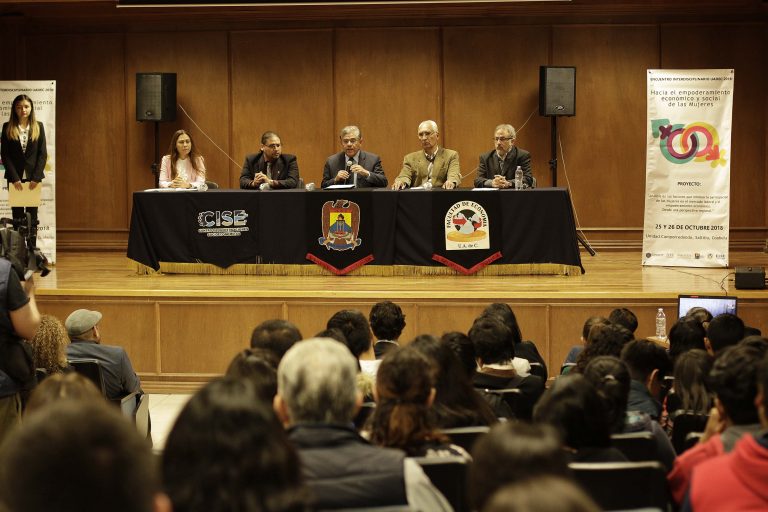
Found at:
(502, 139)
(273, 146)
(349, 141)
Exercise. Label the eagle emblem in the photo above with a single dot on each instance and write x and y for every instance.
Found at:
(341, 224)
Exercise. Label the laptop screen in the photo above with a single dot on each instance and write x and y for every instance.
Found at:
(714, 304)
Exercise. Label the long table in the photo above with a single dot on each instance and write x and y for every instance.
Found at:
(529, 228)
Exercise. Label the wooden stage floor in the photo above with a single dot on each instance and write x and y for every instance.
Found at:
(182, 329)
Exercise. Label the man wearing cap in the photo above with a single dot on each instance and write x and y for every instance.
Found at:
(119, 377)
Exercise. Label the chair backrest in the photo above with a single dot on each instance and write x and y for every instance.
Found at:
(300, 183)
(566, 365)
(141, 415)
(533, 181)
(211, 185)
(683, 423)
(449, 475)
(624, 485)
(366, 409)
(636, 446)
(504, 402)
(539, 370)
(466, 436)
(90, 369)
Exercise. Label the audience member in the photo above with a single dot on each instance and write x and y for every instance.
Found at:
(79, 456)
(610, 376)
(275, 335)
(573, 406)
(686, 334)
(259, 367)
(648, 363)
(733, 379)
(387, 323)
(462, 346)
(317, 400)
(335, 334)
(523, 349)
(603, 340)
(357, 332)
(624, 318)
(701, 314)
(228, 452)
(62, 386)
(457, 403)
(49, 346)
(690, 391)
(724, 331)
(544, 494)
(573, 354)
(513, 452)
(736, 481)
(404, 394)
(495, 351)
(119, 377)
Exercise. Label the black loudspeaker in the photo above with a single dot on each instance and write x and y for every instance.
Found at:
(557, 91)
(155, 96)
(750, 278)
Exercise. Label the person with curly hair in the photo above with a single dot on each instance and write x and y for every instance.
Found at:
(49, 346)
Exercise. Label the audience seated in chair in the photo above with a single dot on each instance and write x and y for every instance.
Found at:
(690, 390)
(495, 351)
(316, 400)
(49, 346)
(686, 334)
(259, 367)
(79, 456)
(610, 376)
(62, 386)
(648, 364)
(513, 452)
(523, 349)
(387, 323)
(358, 336)
(120, 379)
(457, 403)
(733, 379)
(573, 406)
(723, 331)
(573, 353)
(547, 493)
(736, 481)
(625, 318)
(404, 394)
(275, 335)
(603, 339)
(227, 452)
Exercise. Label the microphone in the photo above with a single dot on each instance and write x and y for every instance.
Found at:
(350, 163)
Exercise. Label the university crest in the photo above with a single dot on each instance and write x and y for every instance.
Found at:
(466, 227)
(341, 223)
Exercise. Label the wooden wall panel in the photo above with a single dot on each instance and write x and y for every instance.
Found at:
(283, 81)
(488, 81)
(604, 144)
(203, 337)
(738, 47)
(202, 87)
(90, 137)
(386, 81)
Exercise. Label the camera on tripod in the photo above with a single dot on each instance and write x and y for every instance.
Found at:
(17, 245)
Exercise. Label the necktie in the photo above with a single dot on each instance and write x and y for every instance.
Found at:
(269, 171)
(431, 160)
(350, 163)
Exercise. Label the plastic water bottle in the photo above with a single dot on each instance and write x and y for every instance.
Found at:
(661, 324)
(518, 178)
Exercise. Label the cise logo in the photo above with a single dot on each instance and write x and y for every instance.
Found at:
(222, 223)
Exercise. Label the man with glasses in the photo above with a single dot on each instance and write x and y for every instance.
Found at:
(270, 167)
(433, 166)
(497, 167)
(353, 166)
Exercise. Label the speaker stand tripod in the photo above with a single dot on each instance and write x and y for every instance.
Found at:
(553, 169)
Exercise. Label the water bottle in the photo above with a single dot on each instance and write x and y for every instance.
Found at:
(518, 178)
(661, 324)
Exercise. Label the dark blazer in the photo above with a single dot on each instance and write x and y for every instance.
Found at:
(369, 161)
(27, 165)
(489, 167)
(286, 166)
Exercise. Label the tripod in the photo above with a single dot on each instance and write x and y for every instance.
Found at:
(553, 169)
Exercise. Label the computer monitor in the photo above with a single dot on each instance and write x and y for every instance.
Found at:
(714, 304)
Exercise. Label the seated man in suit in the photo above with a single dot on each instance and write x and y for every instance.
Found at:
(497, 167)
(353, 166)
(119, 377)
(270, 166)
(433, 164)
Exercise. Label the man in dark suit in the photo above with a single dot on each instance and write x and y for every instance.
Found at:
(270, 166)
(353, 166)
(497, 167)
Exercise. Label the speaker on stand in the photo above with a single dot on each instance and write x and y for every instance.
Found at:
(156, 101)
(557, 97)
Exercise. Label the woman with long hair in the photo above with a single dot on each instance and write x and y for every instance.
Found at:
(23, 151)
(49, 346)
(404, 393)
(183, 166)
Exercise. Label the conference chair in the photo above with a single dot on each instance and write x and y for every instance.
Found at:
(449, 476)
(624, 485)
(683, 423)
(212, 185)
(504, 402)
(465, 436)
(538, 370)
(566, 365)
(366, 409)
(636, 446)
(133, 405)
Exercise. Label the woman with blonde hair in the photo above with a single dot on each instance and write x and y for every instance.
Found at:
(49, 346)
(24, 154)
(183, 166)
